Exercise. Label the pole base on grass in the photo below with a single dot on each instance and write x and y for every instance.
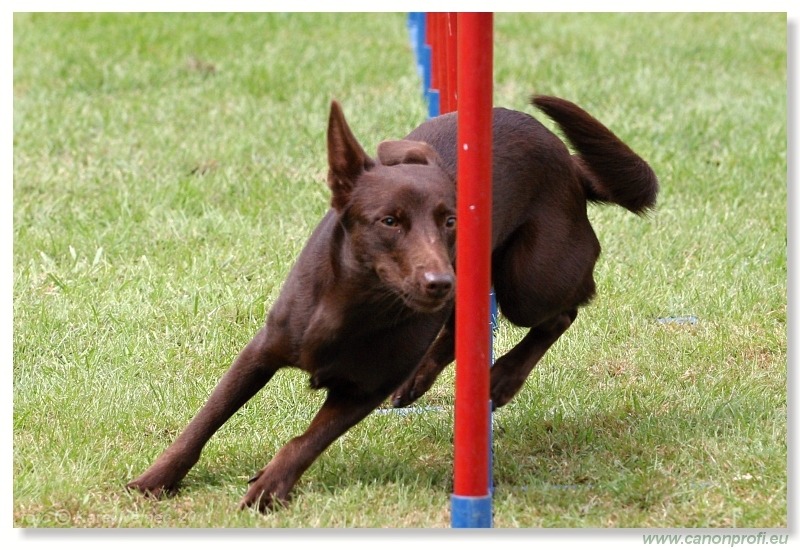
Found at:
(467, 512)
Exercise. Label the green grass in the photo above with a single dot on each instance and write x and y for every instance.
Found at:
(168, 168)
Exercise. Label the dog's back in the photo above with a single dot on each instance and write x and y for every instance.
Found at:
(530, 159)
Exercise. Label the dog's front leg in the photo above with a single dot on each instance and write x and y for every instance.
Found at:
(251, 370)
(271, 486)
(439, 355)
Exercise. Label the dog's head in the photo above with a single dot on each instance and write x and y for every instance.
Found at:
(399, 214)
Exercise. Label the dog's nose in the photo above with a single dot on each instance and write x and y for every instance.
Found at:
(438, 285)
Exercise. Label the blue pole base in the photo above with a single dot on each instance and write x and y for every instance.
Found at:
(433, 103)
(468, 512)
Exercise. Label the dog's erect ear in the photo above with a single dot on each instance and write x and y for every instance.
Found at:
(404, 151)
(346, 158)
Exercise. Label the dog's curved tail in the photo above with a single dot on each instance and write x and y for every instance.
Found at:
(610, 170)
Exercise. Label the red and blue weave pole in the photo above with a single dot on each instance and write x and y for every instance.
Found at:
(471, 502)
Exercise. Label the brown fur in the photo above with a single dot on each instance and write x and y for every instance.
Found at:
(367, 310)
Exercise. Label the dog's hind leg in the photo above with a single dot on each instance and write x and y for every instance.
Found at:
(541, 278)
(341, 410)
(512, 369)
(251, 370)
(439, 355)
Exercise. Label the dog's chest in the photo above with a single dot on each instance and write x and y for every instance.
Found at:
(369, 361)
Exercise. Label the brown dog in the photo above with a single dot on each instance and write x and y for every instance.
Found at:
(373, 288)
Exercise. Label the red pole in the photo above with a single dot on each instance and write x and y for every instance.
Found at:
(474, 209)
(440, 56)
(449, 97)
(434, 30)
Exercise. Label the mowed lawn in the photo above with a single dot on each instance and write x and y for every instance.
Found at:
(169, 167)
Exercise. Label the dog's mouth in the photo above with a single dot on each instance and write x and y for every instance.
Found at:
(428, 292)
(424, 304)
(423, 300)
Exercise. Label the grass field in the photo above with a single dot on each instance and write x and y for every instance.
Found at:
(168, 168)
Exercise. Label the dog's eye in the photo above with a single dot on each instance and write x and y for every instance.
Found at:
(450, 222)
(389, 221)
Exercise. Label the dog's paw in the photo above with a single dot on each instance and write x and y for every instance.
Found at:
(419, 382)
(405, 395)
(151, 486)
(266, 493)
(503, 389)
(414, 388)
